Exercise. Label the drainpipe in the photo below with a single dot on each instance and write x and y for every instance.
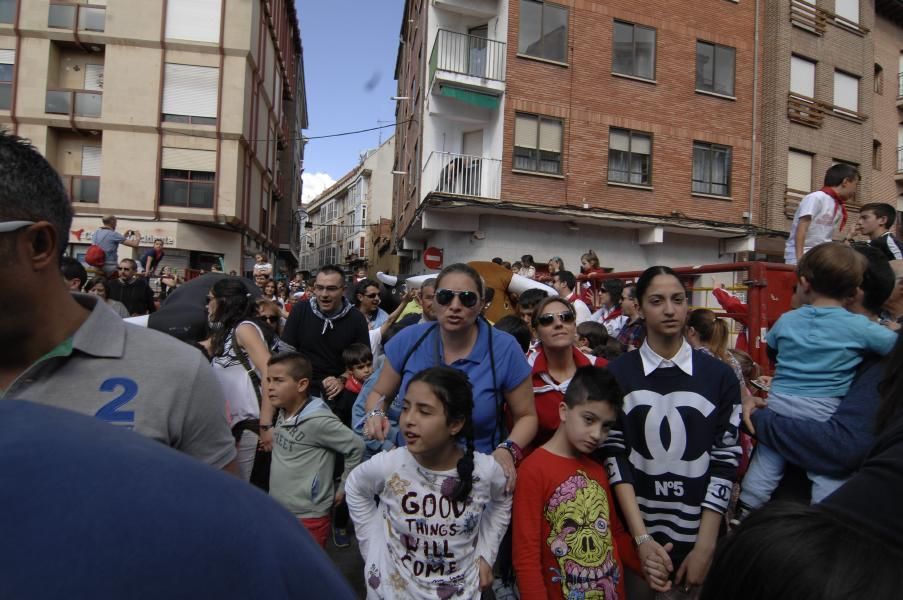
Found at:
(755, 119)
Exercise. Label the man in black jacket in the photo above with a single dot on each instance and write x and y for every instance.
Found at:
(131, 290)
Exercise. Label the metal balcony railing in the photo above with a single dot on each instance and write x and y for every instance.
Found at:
(78, 103)
(462, 175)
(900, 160)
(82, 188)
(467, 55)
(80, 17)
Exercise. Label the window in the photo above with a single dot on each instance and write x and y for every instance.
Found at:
(876, 155)
(846, 91)
(847, 9)
(7, 11)
(537, 144)
(187, 178)
(715, 68)
(363, 215)
(711, 169)
(543, 30)
(190, 94)
(802, 76)
(634, 50)
(799, 173)
(7, 65)
(629, 157)
(195, 20)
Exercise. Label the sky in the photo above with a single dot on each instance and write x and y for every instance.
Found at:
(349, 68)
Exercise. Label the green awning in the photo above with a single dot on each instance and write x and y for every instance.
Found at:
(471, 97)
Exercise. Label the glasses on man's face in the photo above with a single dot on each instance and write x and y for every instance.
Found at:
(9, 226)
(372, 296)
(547, 319)
(270, 318)
(468, 299)
(332, 289)
(125, 268)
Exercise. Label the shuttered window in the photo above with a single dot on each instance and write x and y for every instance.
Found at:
(802, 76)
(799, 172)
(194, 20)
(91, 161)
(846, 91)
(537, 143)
(190, 94)
(94, 77)
(188, 178)
(7, 65)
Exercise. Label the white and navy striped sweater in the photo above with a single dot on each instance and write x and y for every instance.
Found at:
(677, 442)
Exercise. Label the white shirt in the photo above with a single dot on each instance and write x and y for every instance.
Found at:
(683, 360)
(417, 542)
(825, 217)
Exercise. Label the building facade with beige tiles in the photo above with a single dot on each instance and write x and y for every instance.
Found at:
(170, 114)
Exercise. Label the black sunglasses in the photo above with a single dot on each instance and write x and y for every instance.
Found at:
(270, 319)
(468, 299)
(371, 296)
(548, 318)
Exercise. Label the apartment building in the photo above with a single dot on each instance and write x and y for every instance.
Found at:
(830, 95)
(342, 224)
(547, 128)
(169, 114)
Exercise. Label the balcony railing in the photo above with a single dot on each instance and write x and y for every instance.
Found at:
(900, 160)
(900, 86)
(78, 103)
(465, 54)
(805, 111)
(80, 17)
(462, 175)
(804, 14)
(82, 188)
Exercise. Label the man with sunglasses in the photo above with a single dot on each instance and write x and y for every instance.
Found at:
(323, 327)
(70, 350)
(131, 290)
(566, 285)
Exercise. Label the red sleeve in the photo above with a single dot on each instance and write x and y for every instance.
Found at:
(527, 530)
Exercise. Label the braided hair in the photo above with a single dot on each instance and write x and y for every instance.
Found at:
(454, 390)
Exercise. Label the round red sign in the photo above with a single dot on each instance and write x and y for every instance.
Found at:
(432, 258)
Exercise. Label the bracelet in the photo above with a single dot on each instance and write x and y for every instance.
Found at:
(642, 539)
(376, 412)
(517, 454)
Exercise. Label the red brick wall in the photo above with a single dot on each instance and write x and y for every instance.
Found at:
(590, 100)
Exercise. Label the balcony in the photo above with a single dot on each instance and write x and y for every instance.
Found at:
(805, 111)
(450, 174)
(484, 9)
(900, 90)
(468, 67)
(77, 17)
(82, 188)
(898, 176)
(74, 103)
(805, 15)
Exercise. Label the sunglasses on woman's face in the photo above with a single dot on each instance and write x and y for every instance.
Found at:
(271, 318)
(468, 299)
(548, 318)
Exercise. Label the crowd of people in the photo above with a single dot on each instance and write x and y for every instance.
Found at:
(471, 430)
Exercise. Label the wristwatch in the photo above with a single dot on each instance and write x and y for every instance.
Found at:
(641, 539)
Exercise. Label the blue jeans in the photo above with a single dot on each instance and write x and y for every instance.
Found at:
(767, 466)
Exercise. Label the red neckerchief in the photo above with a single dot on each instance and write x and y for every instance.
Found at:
(541, 364)
(613, 314)
(572, 297)
(838, 205)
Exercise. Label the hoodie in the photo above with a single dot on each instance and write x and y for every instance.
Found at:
(304, 454)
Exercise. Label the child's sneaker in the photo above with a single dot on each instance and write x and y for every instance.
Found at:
(340, 537)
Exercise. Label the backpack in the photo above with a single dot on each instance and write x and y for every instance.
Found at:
(95, 256)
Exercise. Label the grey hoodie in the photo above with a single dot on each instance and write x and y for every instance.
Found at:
(304, 449)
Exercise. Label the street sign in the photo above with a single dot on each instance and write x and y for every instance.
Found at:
(432, 258)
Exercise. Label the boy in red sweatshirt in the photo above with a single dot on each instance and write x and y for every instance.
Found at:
(568, 540)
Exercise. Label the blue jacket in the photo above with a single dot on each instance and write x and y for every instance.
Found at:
(835, 447)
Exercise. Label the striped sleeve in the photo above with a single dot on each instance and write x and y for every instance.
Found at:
(616, 452)
(726, 451)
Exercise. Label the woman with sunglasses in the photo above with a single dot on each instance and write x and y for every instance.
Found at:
(672, 458)
(492, 360)
(240, 349)
(554, 361)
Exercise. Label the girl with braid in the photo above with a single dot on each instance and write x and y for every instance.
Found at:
(442, 509)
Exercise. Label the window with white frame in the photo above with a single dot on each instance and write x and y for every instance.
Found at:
(194, 20)
(190, 94)
(799, 172)
(634, 50)
(802, 76)
(711, 169)
(537, 143)
(543, 30)
(629, 157)
(715, 68)
(846, 91)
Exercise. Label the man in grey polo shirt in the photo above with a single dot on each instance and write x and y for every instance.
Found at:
(73, 352)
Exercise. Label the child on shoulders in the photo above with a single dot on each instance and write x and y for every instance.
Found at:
(568, 540)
